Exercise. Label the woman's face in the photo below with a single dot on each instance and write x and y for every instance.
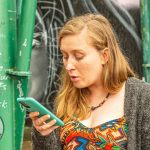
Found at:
(81, 60)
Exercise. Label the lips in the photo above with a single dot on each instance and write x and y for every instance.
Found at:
(74, 78)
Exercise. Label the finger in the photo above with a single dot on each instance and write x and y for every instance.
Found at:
(52, 122)
(33, 115)
(46, 126)
(48, 131)
(41, 120)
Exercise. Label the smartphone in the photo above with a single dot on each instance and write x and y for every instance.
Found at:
(33, 105)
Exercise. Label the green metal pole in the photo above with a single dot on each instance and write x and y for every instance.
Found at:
(22, 64)
(19, 71)
(26, 27)
(145, 28)
(7, 48)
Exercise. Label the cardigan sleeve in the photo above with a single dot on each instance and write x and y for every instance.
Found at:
(145, 137)
(50, 142)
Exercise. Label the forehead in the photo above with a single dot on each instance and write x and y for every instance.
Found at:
(75, 41)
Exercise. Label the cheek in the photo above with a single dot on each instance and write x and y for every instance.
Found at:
(90, 66)
(90, 70)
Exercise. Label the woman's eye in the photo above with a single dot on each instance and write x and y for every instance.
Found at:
(65, 57)
(79, 57)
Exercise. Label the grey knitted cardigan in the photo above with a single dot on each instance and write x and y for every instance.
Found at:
(137, 114)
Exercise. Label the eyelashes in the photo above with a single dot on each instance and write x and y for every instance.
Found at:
(75, 57)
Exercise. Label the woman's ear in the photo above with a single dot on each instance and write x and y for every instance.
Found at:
(104, 56)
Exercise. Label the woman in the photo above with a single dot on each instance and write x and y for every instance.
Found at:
(100, 101)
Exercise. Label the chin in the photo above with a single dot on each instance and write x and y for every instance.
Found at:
(79, 86)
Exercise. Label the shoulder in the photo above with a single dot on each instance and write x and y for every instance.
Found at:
(138, 85)
(137, 91)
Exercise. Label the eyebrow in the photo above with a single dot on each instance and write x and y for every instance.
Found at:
(75, 50)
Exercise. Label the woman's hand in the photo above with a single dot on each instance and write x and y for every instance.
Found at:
(40, 123)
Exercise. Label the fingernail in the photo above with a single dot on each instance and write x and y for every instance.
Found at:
(44, 123)
(48, 116)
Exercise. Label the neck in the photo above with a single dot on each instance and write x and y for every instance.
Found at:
(92, 108)
(96, 95)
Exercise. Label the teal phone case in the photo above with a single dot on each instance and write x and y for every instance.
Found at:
(33, 105)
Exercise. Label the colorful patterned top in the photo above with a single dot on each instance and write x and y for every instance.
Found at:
(111, 135)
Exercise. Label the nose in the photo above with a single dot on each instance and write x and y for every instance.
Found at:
(69, 65)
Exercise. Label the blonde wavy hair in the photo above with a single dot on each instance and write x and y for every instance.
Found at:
(71, 101)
